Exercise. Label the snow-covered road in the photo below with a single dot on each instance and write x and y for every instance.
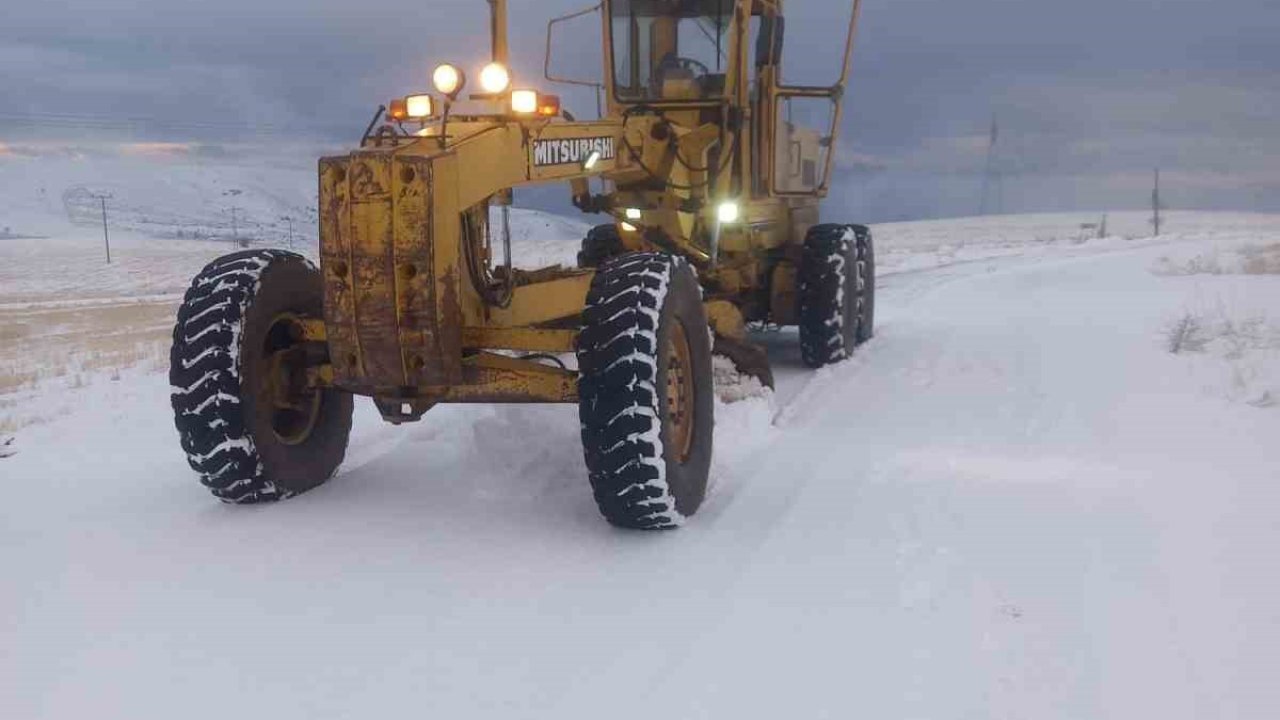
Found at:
(1014, 502)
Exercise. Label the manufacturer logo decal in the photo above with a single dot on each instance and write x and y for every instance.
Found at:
(564, 152)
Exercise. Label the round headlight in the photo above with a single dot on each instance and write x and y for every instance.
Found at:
(448, 80)
(495, 78)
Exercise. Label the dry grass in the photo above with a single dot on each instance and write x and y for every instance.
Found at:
(12, 382)
(1246, 260)
(1238, 353)
(1261, 260)
(1208, 264)
(71, 348)
(1234, 337)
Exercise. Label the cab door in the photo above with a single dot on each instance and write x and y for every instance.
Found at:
(804, 125)
(804, 133)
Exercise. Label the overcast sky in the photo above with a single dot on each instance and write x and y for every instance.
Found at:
(1090, 95)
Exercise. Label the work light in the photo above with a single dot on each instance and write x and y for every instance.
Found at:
(728, 212)
(524, 102)
(419, 107)
(448, 80)
(495, 78)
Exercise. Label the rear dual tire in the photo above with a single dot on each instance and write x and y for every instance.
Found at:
(837, 286)
(601, 243)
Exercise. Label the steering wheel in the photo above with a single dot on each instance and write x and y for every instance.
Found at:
(671, 61)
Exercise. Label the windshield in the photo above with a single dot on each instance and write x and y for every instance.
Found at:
(670, 49)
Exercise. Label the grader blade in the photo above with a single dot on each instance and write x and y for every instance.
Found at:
(749, 359)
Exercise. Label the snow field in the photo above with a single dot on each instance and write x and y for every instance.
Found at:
(1015, 501)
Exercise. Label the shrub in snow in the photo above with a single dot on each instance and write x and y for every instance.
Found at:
(1245, 260)
(1186, 334)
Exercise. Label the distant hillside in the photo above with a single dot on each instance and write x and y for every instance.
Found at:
(157, 197)
(268, 203)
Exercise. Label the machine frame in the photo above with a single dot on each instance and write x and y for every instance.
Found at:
(404, 320)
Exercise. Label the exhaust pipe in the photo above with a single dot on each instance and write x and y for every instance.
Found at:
(498, 31)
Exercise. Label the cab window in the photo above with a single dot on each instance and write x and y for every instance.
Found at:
(670, 50)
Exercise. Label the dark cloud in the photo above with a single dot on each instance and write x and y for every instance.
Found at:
(1090, 95)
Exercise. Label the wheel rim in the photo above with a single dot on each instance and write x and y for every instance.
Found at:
(860, 296)
(292, 406)
(680, 403)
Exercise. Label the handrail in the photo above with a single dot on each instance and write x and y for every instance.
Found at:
(836, 93)
(848, 46)
(546, 64)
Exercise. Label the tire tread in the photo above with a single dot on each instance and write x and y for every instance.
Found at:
(204, 377)
(618, 400)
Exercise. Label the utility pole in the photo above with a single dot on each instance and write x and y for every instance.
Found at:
(1155, 204)
(289, 220)
(235, 221)
(989, 170)
(106, 237)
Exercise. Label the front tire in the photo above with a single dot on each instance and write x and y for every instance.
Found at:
(235, 331)
(646, 400)
(836, 292)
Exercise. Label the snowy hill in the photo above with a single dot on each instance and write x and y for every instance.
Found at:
(1046, 489)
(268, 201)
(169, 216)
(158, 196)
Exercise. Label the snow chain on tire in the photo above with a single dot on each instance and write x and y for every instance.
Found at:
(836, 292)
(639, 478)
(207, 371)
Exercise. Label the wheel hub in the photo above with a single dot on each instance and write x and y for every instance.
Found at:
(680, 393)
(292, 404)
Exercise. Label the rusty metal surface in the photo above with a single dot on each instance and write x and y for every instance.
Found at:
(430, 356)
(376, 244)
(725, 318)
(528, 339)
(545, 301)
(335, 255)
(372, 260)
(502, 379)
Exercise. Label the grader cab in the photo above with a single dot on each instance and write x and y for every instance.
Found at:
(711, 181)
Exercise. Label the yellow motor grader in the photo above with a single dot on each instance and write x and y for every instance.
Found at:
(710, 170)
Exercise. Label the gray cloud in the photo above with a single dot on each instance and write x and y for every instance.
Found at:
(1090, 94)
